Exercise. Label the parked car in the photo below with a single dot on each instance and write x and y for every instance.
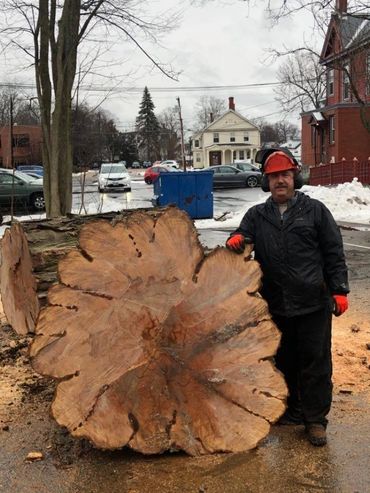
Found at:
(27, 191)
(114, 176)
(135, 164)
(33, 174)
(170, 162)
(34, 168)
(152, 173)
(228, 176)
(147, 164)
(246, 167)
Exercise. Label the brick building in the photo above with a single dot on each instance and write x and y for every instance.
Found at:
(337, 130)
(26, 145)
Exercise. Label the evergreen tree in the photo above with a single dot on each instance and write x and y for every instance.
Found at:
(148, 130)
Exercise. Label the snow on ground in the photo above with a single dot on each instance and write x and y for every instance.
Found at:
(348, 202)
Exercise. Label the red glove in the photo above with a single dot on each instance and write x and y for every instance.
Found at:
(340, 304)
(236, 243)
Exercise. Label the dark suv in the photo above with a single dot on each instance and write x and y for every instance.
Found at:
(27, 191)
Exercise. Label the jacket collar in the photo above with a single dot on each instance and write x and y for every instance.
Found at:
(296, 205)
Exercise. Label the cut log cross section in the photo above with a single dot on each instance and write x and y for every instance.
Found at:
(157, 346)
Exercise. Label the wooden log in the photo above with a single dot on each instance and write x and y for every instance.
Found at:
(156, 345)
(30, 252)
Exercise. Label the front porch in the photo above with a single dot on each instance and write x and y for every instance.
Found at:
(227, 154)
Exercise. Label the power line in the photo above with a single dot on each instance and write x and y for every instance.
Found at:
(133, 89)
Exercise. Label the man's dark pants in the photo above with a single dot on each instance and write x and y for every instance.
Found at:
(304, 357)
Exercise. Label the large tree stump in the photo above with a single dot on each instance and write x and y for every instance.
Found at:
(30, 252)
(157, 346)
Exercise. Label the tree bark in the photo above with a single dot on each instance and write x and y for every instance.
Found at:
(29, 262)
(56, 124)
(156, 345)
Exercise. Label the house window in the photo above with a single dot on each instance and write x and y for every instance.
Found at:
(313, 135)
(234, 155)
(345, 82)
(331, 129)
(246, 137)
(232, 137)
(241, 154)
(248, 154)
(216, 138)
(330, 82)
(197, 159)
(196, 143)
(21, 140)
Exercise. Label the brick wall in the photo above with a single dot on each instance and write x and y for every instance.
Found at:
(30, 154)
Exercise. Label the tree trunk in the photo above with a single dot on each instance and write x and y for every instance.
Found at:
(56, 124)
(29, 262)
(156, 345)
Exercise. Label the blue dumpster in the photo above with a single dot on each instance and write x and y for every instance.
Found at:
(191, 191)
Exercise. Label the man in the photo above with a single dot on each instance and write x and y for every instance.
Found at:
(300, 250)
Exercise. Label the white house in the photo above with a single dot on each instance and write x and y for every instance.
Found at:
(294, 147)
(229, 138)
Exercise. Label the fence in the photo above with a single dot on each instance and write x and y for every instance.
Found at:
(344, 171)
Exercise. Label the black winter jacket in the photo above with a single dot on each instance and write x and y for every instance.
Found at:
(301, 256)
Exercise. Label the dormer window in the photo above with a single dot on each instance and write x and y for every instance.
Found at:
(330, 82)
(196, 143)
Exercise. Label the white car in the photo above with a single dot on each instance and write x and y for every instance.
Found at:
(170, 162)
(114, 176)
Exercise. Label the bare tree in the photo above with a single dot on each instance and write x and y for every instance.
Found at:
(320, 9)
(277, 132)
(303, 82)
(170, 133)
(25, 109)
(57, 30)
(208, 108)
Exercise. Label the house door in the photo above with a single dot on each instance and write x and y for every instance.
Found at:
(215, 158)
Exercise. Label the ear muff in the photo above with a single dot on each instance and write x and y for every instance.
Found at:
(298, 181)
(265, 183)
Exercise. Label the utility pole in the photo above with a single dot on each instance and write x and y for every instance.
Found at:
(182, 137)
(11, 157)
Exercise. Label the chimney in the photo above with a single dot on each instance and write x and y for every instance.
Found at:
(231, 103)
(341, 6)
(211, 117)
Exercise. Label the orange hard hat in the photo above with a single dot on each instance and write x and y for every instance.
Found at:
(278, 161)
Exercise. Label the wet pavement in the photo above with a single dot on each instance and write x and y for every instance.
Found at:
(284, 463)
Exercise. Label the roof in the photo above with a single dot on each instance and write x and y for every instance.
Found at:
(205, 129)
(351, 29)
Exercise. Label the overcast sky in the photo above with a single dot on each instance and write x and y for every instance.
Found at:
(217, 43)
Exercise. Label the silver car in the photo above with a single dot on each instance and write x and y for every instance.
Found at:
(114, 176)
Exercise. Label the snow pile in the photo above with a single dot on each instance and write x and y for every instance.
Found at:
(349, 202)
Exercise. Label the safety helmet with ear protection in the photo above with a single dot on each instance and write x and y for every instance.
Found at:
(278, 159)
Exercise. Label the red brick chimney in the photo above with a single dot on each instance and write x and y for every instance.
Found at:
(341, 6)
(231, 103)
